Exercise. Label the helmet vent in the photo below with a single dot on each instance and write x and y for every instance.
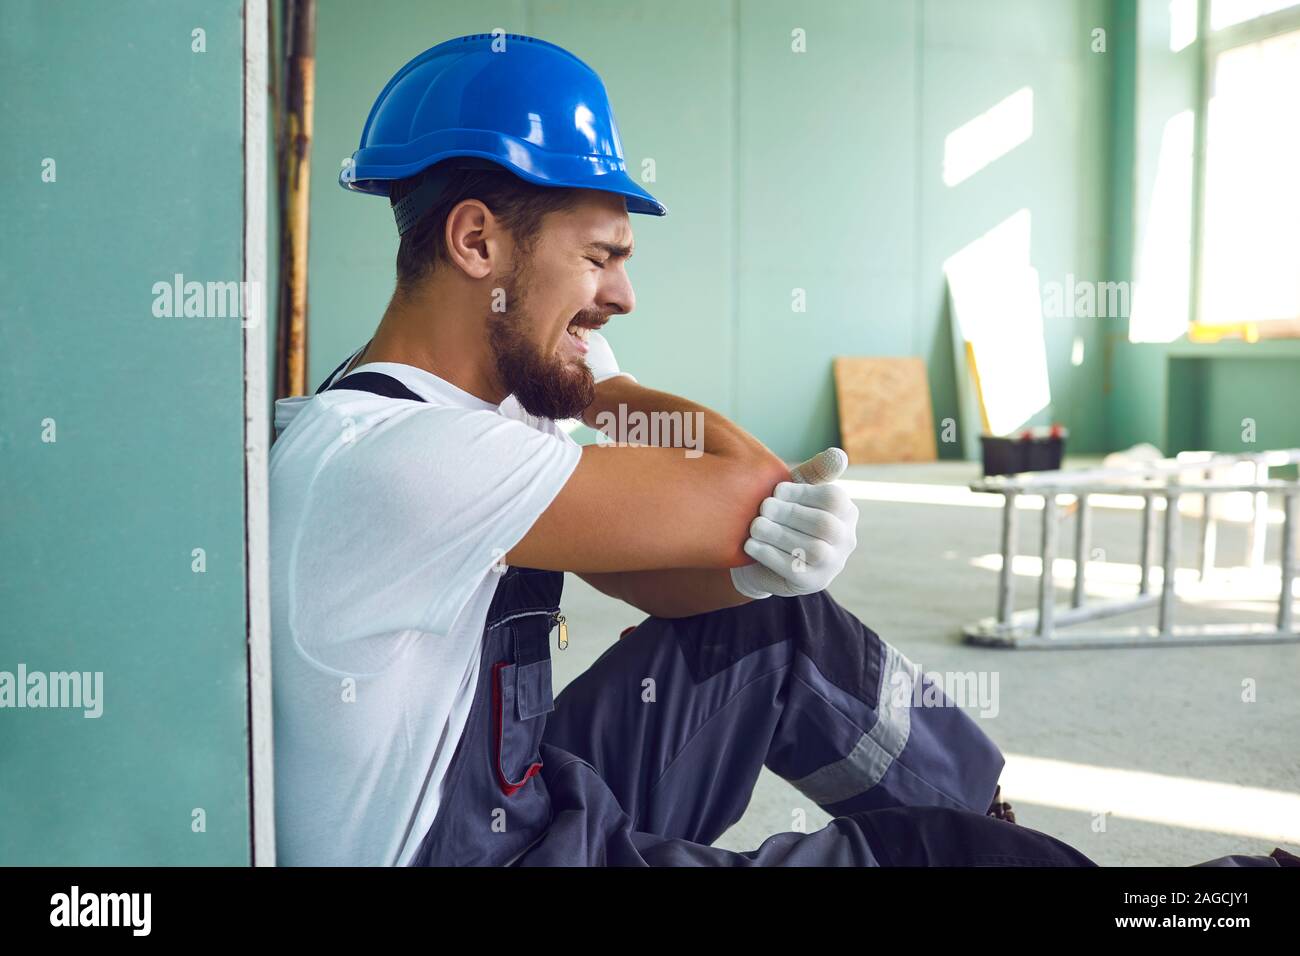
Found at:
(488, 36)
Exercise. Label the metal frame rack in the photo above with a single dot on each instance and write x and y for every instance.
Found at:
(1168, 480)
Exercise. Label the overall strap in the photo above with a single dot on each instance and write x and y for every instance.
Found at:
(377, 383)
(341, 366)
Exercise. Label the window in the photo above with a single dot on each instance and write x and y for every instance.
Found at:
(1226, 13)
(1248, 273)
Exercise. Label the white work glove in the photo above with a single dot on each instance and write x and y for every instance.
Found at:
(804, 532)
(600, 358)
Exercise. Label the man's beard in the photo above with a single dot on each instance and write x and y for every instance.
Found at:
(544, 384)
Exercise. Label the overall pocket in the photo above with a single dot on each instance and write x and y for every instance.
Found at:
(522, 697)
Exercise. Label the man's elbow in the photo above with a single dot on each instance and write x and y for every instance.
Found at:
(745, 489)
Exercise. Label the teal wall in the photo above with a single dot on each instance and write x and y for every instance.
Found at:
(147, 465)
(820, 171)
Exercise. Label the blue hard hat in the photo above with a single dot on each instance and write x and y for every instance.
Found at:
(510, 100)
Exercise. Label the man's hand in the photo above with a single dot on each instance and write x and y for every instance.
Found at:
(802, 538)
(804, 532)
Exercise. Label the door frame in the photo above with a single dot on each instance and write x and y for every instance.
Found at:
(257, 442)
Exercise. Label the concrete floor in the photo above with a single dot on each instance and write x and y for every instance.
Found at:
(922, 570)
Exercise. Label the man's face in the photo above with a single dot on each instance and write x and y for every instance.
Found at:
(572, 282)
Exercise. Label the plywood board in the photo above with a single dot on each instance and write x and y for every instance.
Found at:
(885, 411)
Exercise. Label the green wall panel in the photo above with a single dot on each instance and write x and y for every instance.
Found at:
(147, 465)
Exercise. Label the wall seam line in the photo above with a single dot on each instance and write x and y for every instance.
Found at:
(736, 247)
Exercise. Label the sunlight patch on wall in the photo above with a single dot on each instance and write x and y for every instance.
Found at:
(992, 134)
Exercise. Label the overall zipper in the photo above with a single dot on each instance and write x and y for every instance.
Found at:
(556, 618)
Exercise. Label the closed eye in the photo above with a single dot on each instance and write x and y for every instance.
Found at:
(598, 263)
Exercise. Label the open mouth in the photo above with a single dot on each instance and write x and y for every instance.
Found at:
(578, 336)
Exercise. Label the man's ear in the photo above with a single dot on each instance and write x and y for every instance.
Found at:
(473, 239)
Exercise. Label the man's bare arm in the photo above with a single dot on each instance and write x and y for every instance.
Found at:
(648, 508)
(668, 593)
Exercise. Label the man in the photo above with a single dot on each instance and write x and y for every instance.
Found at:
(425, 505)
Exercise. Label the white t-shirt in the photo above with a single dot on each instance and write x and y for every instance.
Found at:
(387, 516)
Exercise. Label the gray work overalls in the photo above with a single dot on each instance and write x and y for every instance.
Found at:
(653, 752)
